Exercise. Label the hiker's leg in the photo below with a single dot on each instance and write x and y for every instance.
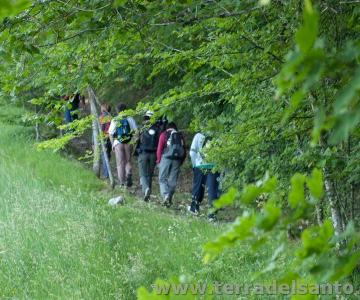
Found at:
(105, 172)
(118, 156)
(173, 176)
(152, 164)
(122, 175)
(108, 148)
(164, 170)
(127, 152)
(198, 188)
(198, 185)
(67, 116)
(142, 161)
(212, 183)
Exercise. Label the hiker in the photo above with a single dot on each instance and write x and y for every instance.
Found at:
(161, 123)
(202, 176)
(170, 155)
(146, 152)
(71, 107)
(105, 120)
(121, 131)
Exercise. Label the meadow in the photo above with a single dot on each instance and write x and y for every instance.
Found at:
(59, 239)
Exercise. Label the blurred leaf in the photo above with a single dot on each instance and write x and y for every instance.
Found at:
(307, 33)
(315, 184)
(226, 199)
(296, 195)
(269, 216)
(315, 239)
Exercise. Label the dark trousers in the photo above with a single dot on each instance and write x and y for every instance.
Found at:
(146, 162)
(201, 179)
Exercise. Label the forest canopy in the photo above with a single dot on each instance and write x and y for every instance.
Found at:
(276, 85)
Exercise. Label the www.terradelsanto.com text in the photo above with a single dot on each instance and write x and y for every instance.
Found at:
(273, 288)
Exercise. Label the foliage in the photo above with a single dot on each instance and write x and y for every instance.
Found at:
(72, 130)
(12, 7)
(275, 83)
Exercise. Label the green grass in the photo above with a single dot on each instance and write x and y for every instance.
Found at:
(60, 240)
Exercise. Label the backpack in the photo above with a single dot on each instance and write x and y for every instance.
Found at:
(123, 131)
(149, 139)
(174, 146)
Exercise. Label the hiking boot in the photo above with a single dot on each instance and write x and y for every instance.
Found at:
(212, 218)
(147, 195)
(167, 200)
(129, 181)
(191, 209)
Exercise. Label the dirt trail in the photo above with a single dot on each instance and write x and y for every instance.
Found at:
(182, 198)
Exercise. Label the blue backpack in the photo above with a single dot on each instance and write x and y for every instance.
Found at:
(123, 131)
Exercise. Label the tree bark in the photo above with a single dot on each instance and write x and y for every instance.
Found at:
(96, 134)
(37, 131)
(320, 212)
(334, 207)
(37, 128)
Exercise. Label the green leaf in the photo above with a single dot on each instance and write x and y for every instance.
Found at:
(12, 7)
(241, 229)
(315, 239)
(226, 199)
(306, 35)
(119, 2)
(346, 110)
(344, 98)
(296, 195)
(346, 266)
(250, 193)
(315, 184)
(269, 217)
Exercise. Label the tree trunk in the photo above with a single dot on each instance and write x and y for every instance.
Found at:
(98, 133)
(95, 133)
(334, 207)
(37, 128)
(37, 131)
(320, 212)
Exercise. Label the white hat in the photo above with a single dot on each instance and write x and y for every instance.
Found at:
(149, 113)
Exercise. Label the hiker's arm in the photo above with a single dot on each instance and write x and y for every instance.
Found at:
(160, 147)
(112, 130)
(185, 152)
(194, 149)
(134, 130)
(132, 124)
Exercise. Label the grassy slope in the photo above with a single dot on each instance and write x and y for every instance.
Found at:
(59, 239)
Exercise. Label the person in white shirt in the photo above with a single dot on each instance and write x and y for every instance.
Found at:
(203, 176)
(121, 131)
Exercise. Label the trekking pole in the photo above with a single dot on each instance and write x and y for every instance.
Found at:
(93, 101)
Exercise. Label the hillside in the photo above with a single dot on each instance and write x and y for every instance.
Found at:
(60, 240)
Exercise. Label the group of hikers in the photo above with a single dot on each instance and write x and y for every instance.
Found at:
(157, 143)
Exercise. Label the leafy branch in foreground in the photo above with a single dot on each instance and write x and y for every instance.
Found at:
(72, 130)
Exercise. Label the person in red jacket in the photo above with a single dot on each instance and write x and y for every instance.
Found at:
(170, 155)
